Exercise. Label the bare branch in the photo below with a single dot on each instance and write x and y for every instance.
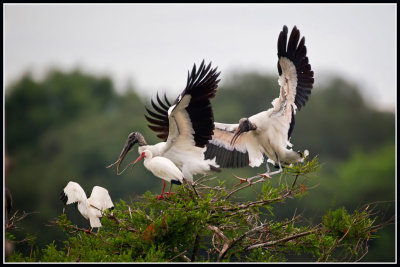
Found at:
(72, 227)
(272, 243)
(180, 255)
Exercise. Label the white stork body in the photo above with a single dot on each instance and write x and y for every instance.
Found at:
(185, 127)
(91, 208)
(268, 132)
(162, 168)
(186, 157)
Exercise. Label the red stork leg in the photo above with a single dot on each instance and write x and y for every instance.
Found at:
(169, 192)
(89, 229)
(162, 192)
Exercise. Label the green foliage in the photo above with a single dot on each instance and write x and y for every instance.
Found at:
(339, 223)
(208, 224)
(59, 99)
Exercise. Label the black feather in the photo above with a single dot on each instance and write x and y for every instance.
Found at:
(176, 182)
(297, 52)
(226, 158)
(291, 127)
(63, 197)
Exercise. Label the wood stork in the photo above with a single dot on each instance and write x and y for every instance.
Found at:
(91, 208)
(162, 168)
(185, 127)
(268, 132)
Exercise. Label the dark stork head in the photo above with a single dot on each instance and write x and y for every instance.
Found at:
(245, 125)
(133, 138)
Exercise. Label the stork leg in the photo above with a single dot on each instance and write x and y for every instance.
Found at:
(279, 164)
(194, 189)
(162, 192)
(268, 174)
(169, 192)
(89, 229)
(266, 163)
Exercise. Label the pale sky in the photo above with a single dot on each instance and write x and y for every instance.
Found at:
(153, 45)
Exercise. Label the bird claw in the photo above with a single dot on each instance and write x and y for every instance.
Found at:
(168, 193)
(160, 197)
(242, 180)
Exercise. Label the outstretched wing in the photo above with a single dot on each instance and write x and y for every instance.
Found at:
(100, 199)
(295, 75)
(190, 118)
(73, 192)
(242, 153)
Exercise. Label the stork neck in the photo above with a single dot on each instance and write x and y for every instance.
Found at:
(156, 149)
(142, 143)
(140, 139)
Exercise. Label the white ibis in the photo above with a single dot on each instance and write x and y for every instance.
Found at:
(91, 208)
(185, 127)
(162, 168)
(268, 132)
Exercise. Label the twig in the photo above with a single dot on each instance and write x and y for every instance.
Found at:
(195, 247)
(10, 224)
(73, 227)
(255, 203)
(120, 223)
(180, 254)
(294, 182)
(225, 246)
(272, 243)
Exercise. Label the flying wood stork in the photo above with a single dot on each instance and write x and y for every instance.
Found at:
(162, 168)
(91, 208)
(185, 127)
(268, 132)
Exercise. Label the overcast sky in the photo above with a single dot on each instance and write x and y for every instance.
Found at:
(153, 46)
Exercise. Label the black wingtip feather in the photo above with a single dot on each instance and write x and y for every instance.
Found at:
(176, 182)
(201, 85)
(296, 52)
(226, 158)
(63, 197)
(159, 117)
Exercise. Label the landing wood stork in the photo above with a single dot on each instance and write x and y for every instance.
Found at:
(185, 127)
(162, 168)
(91, 208)
(268, 132)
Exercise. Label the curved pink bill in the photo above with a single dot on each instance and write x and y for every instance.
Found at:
(138, 159)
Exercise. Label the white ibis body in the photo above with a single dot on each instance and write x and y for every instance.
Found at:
(162, 168)
(91, 208)
(268, 132)
(185, 127)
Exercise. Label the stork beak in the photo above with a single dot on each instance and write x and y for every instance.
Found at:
(244, 126)
(236, 135)
(128, 146)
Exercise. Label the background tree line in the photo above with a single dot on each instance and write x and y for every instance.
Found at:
(71, 125)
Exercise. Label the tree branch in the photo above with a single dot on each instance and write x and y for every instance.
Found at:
(272, 243)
